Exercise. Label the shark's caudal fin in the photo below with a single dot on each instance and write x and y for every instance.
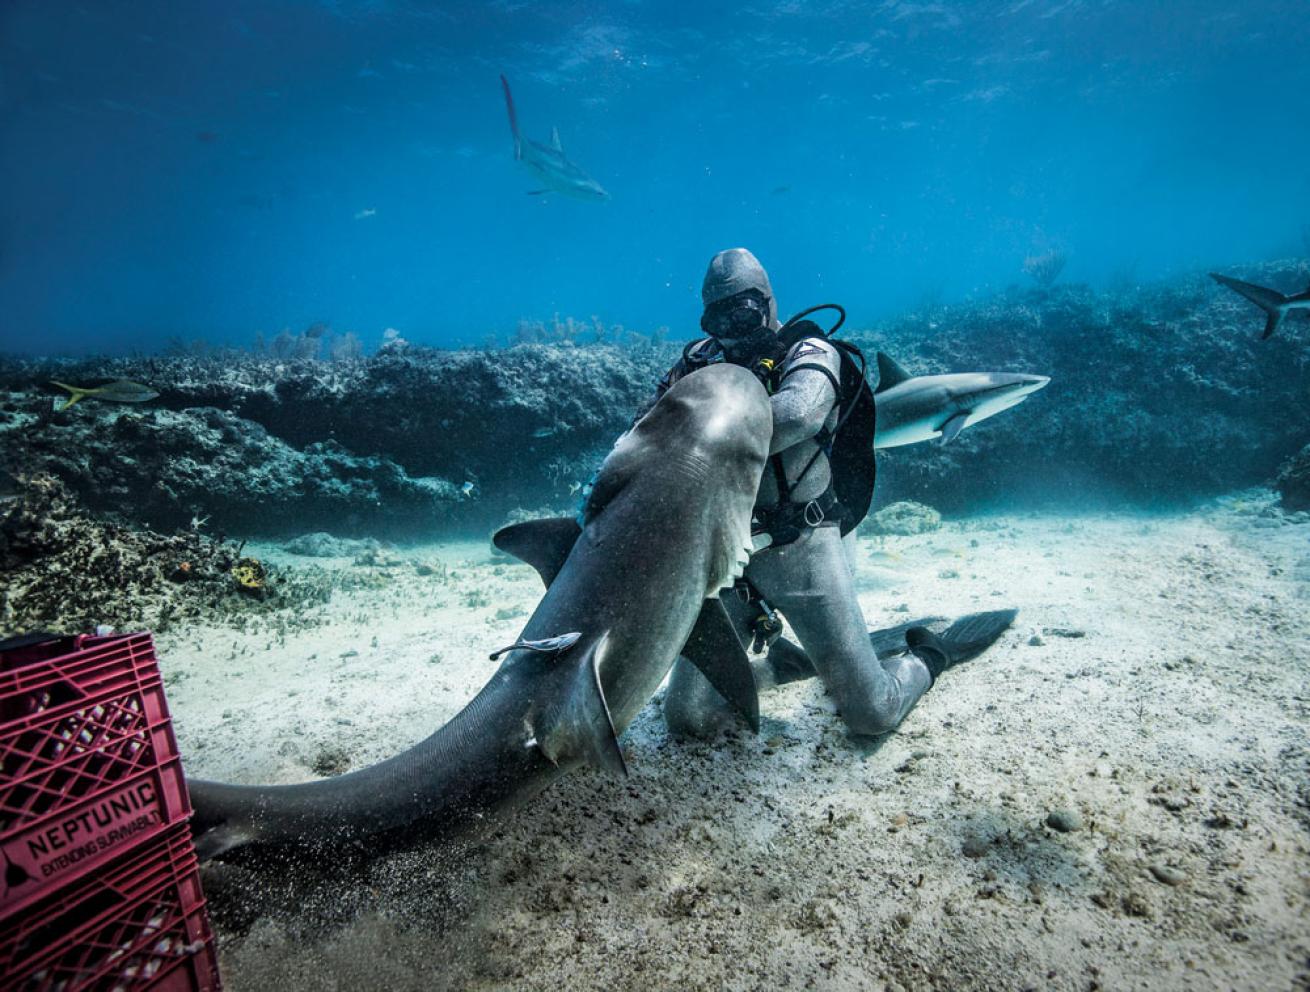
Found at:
(513, 119)
(889, 373)
(544, 544)
(1270, 301)
(75, 393)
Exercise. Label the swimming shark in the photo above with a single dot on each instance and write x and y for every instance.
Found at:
(919, 408)
(1272, 302)
(549, 163)
(666, 527)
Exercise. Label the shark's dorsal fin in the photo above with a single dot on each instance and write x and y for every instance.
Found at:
(889, 373)
(554, 140)
(543, 544)
(579, 727)
(951, 429)
(715, 649)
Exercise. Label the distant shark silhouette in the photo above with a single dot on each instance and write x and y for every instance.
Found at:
(549, 163)
(1272, 302)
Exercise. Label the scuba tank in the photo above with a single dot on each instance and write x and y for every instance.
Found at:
(849, 445)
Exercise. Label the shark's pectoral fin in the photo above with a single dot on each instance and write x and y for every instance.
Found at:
(543, 544)
(715, 649)
(1271, 325)
(951, 429)
(578, 726)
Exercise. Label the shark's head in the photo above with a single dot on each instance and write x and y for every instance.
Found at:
(589, 189)
(1002, 391)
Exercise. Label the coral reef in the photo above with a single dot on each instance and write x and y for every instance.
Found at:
(168, 468)
(1293, 482)
(1160, 394)
(65, 570)
(904, 517)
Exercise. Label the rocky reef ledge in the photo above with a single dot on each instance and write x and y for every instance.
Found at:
(1160, 394)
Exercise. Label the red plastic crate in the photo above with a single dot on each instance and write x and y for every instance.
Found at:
(89, 766)
(137, 923)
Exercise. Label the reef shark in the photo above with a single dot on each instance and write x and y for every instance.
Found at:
(635, 583)
(919, 408)
(549, 163)
(1272, 302)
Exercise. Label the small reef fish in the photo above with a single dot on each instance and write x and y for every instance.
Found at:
(551, 431)
(469, 489)
(366, 213)
(1272, 302)
(118, 391)
(549, 163)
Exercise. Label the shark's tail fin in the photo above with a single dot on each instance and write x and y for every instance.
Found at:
(75, 393)
(1270, 301)
(513, 118)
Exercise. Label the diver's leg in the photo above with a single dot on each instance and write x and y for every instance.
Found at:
(810, 581)
(693, 707)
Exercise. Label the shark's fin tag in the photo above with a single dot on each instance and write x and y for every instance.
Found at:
(547, 645)
(714, 648)
(889, 373)
(543, 544)
(579, 727)
(951, 429)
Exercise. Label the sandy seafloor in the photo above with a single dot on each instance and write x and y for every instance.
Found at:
(1155, 685)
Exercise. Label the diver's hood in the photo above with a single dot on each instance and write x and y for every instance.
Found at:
(734, 271)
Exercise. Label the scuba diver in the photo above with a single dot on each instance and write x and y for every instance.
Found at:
(816, 488)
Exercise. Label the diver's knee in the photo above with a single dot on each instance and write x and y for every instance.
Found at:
(869, 721)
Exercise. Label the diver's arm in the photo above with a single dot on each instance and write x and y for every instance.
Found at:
(806, 396)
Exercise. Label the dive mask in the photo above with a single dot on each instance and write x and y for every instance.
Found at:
(738, 318)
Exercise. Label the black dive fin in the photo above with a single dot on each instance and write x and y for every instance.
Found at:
(891, 640)
(889, 373)
(973, 634)
(967, 638)
(788, 662)
(579, 727)
(714, 648)
(543, 544)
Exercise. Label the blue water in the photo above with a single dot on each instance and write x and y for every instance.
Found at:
(212, 170)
